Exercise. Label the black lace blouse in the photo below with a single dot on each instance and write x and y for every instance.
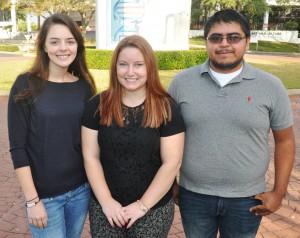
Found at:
(130, 156)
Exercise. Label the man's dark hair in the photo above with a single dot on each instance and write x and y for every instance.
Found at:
(227, 16)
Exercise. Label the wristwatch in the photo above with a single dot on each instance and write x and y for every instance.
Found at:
(31, 204)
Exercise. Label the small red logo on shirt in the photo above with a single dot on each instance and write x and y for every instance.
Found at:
(249, 99)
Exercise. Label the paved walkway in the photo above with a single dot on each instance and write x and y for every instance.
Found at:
(283, 223)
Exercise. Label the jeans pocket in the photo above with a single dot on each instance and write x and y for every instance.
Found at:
(255, 200)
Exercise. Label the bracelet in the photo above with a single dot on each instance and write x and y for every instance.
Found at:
(142, 206)
(32, 199)
(32, 204)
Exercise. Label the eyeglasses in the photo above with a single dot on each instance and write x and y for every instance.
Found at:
(231, 39)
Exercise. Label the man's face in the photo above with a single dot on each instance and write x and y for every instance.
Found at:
(226, 55)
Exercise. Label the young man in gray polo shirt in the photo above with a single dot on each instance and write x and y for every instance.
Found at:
(229, 108)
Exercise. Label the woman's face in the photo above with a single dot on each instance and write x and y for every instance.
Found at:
(61, 46)
(131, 70)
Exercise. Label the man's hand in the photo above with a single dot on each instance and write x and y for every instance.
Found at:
(271, 202)
(175, 189)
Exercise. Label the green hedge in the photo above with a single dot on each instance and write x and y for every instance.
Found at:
(167, 60)
(9, 48)
(98, 59)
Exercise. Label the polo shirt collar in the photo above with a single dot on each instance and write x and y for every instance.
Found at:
(246, 74)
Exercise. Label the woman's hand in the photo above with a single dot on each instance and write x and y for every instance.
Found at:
(133, 212)
(114, 213)
(37, 215)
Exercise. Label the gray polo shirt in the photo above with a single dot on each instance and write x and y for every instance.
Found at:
(226, 148)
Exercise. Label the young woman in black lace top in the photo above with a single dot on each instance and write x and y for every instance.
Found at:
(132, 140)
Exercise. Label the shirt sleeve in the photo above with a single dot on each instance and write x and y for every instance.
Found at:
(176, 125)
(18, 117)
(89, 93)
(91, 116)
(281, 112)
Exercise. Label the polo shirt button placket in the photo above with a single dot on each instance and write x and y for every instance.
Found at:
(222, 92)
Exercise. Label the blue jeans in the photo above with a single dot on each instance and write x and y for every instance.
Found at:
(66, 214)
(203, 216)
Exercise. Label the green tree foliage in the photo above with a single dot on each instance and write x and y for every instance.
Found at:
(291, 25)
(22, 26)
(252, 9)
(44, 8)
(196, 13)
(83, 7)
(5, 8)
(5, 4)
(288, 14)
(40, 8)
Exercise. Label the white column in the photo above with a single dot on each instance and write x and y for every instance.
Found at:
(28, 19)
(266, 21)
(13, 16)
(102, 24)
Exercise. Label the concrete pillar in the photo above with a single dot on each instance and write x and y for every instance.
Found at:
(13, 16)
(102, 25)
(28, 19)
(266, 21)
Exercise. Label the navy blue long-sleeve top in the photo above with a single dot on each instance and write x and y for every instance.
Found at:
(45, 134)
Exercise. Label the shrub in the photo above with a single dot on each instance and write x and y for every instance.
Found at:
(98, 59)
(167, 60)
(291, 25)
(22, 26)
(9, 48)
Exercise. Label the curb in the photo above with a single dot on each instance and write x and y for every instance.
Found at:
(293, 91)
(15, 54)
(249, 52)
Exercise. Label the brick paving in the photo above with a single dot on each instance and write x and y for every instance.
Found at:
(283, 223)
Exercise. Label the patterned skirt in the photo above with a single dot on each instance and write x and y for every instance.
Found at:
(155, 224)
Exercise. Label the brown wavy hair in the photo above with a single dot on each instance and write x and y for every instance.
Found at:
(39, 72)
(157, 103)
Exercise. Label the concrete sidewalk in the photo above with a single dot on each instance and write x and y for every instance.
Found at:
(283, 223)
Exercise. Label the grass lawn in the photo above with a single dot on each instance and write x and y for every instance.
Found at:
(101, 77)
(288, 72)
(278, 68)
(262, 46)
(268, 46)
(10, 70)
